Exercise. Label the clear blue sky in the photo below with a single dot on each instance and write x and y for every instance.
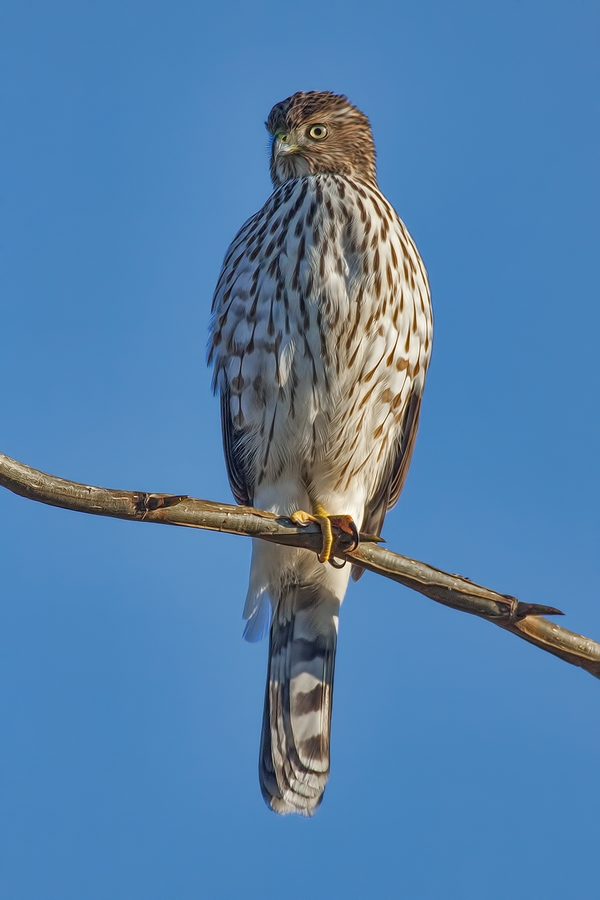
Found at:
(464, 762)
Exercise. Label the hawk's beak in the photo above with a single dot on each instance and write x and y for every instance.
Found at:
(282, 145)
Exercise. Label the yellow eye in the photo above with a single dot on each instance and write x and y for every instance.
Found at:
(318, 132)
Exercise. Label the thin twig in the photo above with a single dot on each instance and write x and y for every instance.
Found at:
(523, 619)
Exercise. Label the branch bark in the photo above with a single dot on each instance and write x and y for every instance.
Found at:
(522, 619)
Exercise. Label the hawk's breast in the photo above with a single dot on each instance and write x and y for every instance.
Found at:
(321, 332)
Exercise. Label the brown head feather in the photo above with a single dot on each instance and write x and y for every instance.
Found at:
(347, 148)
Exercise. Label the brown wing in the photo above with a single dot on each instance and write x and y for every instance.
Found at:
(390, 486)
(239, 479)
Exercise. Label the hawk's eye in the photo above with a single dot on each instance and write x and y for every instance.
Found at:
(318, 132)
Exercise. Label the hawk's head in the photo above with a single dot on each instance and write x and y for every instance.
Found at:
(319, 132)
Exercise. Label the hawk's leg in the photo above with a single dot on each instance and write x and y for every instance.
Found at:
(319, 515)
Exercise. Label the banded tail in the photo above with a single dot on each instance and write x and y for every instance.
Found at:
(294, 750)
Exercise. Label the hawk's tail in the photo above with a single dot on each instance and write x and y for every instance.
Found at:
(294, 750)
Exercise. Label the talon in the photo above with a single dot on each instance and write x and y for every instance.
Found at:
(345, 524)
(324, 521)
(300, 517)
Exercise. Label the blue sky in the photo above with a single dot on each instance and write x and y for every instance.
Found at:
(464, 762)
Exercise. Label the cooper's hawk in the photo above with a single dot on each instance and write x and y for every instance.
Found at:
(320, 339)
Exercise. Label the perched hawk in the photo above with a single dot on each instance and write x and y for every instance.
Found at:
(320, 340)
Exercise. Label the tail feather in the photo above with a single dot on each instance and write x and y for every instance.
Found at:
(294, 753)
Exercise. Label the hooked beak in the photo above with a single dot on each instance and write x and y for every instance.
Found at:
(282, 145)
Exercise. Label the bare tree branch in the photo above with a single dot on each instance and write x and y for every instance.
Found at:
(522, 619)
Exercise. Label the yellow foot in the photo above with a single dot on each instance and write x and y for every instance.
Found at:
(344, 523)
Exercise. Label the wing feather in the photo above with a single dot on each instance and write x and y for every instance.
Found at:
(237, 472)
(390, 486)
